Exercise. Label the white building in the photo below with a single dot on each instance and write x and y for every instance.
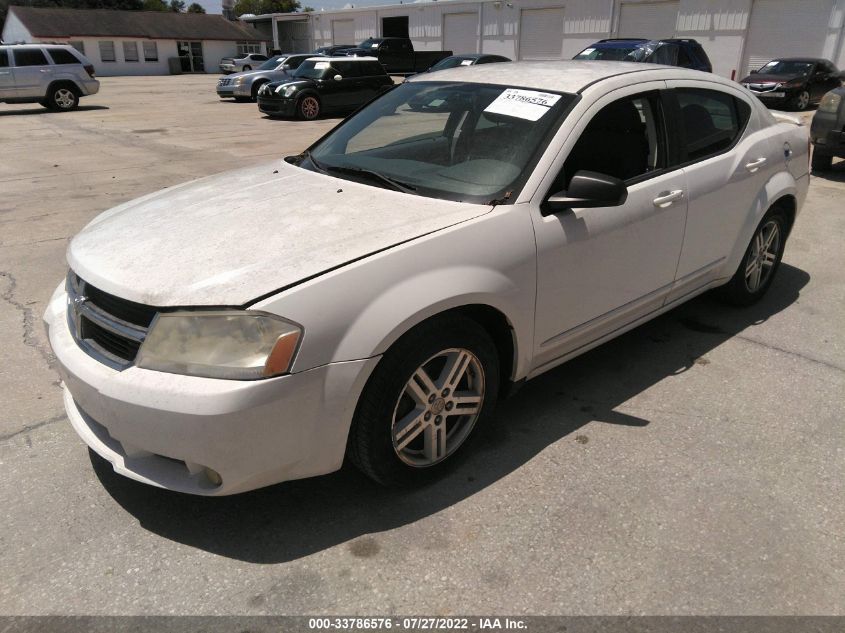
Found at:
(737, 34)
(136, 42)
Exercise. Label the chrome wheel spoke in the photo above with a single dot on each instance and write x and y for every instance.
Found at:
(768, 260)
(407, 429)
(435, 442)
(454, 370)
(466, 405)
(420, 387)
(752, 266)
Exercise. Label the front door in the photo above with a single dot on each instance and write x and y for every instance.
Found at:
(7, 79)
(32, 72)
(191, 55)
(599, 269)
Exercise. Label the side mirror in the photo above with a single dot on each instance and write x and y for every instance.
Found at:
(754, 72)
(337, 77)
(587, 189)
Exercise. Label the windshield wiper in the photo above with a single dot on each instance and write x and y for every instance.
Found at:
(372, 175)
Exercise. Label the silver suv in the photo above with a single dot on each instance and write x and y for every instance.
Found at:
(54, 75)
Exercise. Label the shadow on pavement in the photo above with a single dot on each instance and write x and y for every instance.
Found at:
(294, 519)
(835, 174)
(38, 109)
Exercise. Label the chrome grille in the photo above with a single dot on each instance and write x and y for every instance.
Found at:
(224, 81)
(106, 327)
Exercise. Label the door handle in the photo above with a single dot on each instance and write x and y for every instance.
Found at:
(668, 197)
(45, 70)
(754, 165)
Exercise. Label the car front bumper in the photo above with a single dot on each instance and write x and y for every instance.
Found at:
(183, 432)
(232, 90)
(277, 106)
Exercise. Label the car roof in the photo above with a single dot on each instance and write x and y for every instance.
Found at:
(809, 60)
(570, 76)
(341, 58)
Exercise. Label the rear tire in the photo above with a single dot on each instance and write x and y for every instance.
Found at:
(246, 68)
(62, 98)
(408, 427)
(821, 162)
(760, 263)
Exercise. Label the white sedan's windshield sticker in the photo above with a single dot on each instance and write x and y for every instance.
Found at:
(523, 104)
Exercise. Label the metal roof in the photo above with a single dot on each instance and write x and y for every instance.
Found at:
(163, 25)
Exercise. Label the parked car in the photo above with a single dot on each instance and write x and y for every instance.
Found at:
(685, 53)
(322, 85)
(793, 82)
(331, 51)
(239, 64)
(466, 60)
(827, 130)
(376, 294)
(54, 75)
(244, 86)
(397, 54)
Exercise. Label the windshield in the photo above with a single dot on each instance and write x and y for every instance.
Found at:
(620, 53)
(313, 70)
(369, 43)
(452, 62)
(778, 67)
(457, 141)
(271, 63)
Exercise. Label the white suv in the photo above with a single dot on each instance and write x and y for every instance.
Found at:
(53, 75)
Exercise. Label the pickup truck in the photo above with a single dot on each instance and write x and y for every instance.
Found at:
(396, 54)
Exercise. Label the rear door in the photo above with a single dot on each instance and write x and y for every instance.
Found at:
(32, 72)
(7, 79)
(726, 162)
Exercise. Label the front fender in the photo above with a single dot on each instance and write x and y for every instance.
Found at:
(359, 310)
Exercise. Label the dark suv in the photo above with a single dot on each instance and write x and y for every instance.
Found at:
(685, 53)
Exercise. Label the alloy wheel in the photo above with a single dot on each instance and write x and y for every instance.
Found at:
(803, 100)
(761, 259)
(310, 108)
(438, 407)
(64, 98)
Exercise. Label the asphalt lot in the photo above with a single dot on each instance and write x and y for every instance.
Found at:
(694, 466)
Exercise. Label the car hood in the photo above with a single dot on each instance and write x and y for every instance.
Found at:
(231, 238)
(759, 78)
(276, 75)
(299, 83)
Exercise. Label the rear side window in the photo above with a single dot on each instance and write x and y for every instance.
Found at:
(4, 58)
(666, 54)
(30, 57)
(294, 62)
(347, 69)
(373, 69)
(684, 59)
(63, 56)
(712, 121)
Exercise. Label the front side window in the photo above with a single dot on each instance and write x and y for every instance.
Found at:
(30, 57)
(625, 139)
(665, 54)
(456, 141)
(130, 51)
(712, 121)
(315, 70)
(107, 51)
(150, 51)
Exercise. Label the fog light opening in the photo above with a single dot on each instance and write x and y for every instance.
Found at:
(213, 476)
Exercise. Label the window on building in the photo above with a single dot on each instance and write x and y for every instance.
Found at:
(78, 45)
(150, 51)
(107, 52)
(245, 48)
(30, 57)
(62, 56)
(130, 51)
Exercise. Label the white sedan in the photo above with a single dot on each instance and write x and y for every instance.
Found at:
(375, 295)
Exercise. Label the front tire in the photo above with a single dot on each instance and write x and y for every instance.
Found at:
(255, 88)
(246, 68)
(62, 98)
(761, 261)
(426, 399)
(801, 101)
(308, 108)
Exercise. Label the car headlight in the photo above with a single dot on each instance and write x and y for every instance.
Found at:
(239, 81)
(830, 102)
(286, 91)
(231, 344)
(778, 86)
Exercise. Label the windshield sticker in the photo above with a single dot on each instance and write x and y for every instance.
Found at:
(374, 45)
(587, 51)
(523, 104)
(466, 62)
(321, 65)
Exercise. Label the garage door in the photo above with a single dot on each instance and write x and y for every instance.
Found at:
(541, 33)
(651, 20)
(460, 33)
(786, 28)
(343, 32)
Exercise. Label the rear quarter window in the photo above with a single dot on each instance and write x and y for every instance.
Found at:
(712, 121)
(63, 56)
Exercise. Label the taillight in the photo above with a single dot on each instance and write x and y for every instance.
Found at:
(89, 68)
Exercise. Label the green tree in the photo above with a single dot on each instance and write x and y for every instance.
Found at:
(195, 7)
(259, 7)
(155, 5)
(177, 6)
